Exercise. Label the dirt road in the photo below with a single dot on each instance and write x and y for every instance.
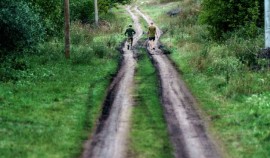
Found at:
(186, 128)
(110, 137)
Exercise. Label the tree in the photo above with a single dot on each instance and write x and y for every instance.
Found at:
(20, 26)
(51, 12)
(224, 16)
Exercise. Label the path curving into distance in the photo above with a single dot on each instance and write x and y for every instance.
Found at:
(186, 128)
(111, 134)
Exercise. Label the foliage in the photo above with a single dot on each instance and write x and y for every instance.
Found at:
(51, 12)
(19, 26)
(224, 16)
(84, 10)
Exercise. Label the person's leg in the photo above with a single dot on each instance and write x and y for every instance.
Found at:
(150, 43)
(131, 42)
(128, 43)
(153, 42)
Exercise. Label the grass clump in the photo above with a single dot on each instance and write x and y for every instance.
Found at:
(149, 136)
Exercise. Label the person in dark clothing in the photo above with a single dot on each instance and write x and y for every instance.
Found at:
(130, 33)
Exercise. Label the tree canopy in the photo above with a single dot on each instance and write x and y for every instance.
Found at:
(224, 16)
(27, 22)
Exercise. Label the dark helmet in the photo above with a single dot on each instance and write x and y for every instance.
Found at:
(130, 25)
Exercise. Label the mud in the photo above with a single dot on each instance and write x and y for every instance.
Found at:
(110, 137)
(186, 128)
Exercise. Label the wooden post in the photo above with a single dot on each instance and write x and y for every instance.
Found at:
(267, 22)
(67, 29)
(96, 12)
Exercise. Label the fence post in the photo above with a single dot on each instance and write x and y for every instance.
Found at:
(67, 29)
(96, 12)
(267, 22)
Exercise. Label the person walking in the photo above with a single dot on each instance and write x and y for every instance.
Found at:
(152, 33)
(130, 32)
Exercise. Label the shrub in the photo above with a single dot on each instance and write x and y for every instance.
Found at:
(82, 11)
(51, 12)
(224, 16)
(19, 25)
(12, 67)
(100, 49)
(82, 55)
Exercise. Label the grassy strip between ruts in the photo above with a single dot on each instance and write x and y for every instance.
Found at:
(234, 97)
(50, 109)
(149, 136)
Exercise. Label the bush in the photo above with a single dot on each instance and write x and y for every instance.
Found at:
(224, 16)
(19, 25)
(82, 11)
(52, 14)
(11, 68)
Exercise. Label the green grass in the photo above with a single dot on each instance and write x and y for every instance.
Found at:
(149, 136)
(47, 117)
(49, 108)
(234, 97)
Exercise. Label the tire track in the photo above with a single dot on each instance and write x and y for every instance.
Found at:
(110, 137)
(186, 128)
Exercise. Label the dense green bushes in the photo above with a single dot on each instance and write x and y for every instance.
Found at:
(224, 16)
(82, 11)
(24, 23)
(19, 26)
(51, 12)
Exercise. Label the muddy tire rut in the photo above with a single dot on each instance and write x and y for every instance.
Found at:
(110, 137)
(186, 128)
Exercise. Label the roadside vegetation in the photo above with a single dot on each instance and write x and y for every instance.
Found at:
(225, 68)
(48, 105)
(149, 134)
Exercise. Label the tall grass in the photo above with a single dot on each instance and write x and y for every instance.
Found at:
(227, 78)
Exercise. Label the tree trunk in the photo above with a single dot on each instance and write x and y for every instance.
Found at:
(67, 29)
(96, 12)
(267, 22)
